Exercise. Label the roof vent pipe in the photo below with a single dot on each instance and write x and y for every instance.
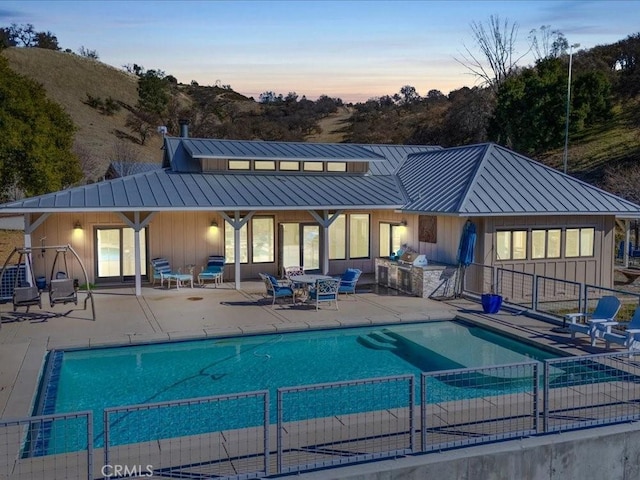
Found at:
(184, 128)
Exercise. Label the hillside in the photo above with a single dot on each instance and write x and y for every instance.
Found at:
(68, 78)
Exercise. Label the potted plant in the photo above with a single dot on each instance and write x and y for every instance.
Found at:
(491, 302)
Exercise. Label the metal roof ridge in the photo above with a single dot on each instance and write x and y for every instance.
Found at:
(474, 176)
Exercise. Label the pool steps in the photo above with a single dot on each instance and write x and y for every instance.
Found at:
(378, 340)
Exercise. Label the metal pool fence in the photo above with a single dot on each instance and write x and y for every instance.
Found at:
(319, 426)
(541, 294)
(24, 447)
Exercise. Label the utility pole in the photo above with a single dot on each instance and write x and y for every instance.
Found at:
(566, 130)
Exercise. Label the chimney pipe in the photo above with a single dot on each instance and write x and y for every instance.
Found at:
(184, 128)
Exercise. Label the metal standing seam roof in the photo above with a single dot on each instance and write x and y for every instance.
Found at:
(293, 151)
(476, 180)
(166, 190)
(488, 179)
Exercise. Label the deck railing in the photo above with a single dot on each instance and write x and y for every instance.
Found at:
(319, 426)
(541, 294)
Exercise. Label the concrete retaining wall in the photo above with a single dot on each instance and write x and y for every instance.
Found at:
(606, 453)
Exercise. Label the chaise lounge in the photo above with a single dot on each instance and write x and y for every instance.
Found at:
(606, 310)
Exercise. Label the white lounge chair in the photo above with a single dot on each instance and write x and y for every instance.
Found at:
(605, 311)
(629, 337)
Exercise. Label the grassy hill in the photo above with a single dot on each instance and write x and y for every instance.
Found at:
(68, 79)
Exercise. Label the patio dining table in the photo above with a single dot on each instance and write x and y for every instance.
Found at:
(308, 279)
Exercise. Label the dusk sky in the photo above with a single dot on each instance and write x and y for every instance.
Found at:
(354, 50)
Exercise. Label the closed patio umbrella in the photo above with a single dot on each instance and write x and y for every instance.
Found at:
(465, 252)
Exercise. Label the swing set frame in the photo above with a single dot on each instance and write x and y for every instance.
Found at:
(27, 254)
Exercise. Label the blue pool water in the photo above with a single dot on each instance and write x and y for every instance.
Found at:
(95, 379)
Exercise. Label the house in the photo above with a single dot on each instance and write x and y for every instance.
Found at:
(265, 205)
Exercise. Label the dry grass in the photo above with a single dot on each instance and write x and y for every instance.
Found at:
(68, 78)
(9, 239)
(595, 149)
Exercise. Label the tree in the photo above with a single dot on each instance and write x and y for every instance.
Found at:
(153, 92)
(35, 146)
(47, 40)
(548, 43)
(6, 40)
(530, 111)
(497, 60)
(23, 35)
(409, 95)
(87, 53)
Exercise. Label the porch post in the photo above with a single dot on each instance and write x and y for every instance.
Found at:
(27, 245)
(136, 252)
(627, 239)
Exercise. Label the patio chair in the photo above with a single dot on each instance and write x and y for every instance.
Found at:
(289, 273)
(348, 281)
(275, 289)
(213, 272)
(162, 270)
(325, 290)
(606, 310)
(629, 337)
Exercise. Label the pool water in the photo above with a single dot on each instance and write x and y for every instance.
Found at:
(95, 379)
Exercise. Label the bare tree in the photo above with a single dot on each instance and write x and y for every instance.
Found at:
(89, 163)
(547, 43)
(126, 155)
(622, 180)
(497, 61)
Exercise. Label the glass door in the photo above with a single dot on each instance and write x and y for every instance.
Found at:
(115, 254)
(299, 245)
(311, 247)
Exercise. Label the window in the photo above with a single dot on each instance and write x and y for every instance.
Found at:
(359, 235)
(579, 242)
(264, 165)
(553, 243)
(545, 243)
(539, 244)
(336, 167)
(337, 236)
(511, 245)
(313, 166)
(229, 251)
(239, 165)
(390, 238)
(289, 166)
(263, 240)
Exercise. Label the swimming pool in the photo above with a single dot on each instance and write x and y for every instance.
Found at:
(98, 378)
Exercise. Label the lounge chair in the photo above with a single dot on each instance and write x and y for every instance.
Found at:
(629, 337)
(275, 289)
(348, 281)
(213, 272)
(325, 290)
(162, 270)
(606, 310)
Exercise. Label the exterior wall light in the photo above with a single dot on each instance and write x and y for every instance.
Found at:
(214, 224)
(403, 222)
(77, 225)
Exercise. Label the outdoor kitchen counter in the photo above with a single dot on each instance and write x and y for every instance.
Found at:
(418, 281)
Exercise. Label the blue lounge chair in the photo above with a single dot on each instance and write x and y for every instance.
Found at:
(348, 281)
(213, 272)
(276, 289)
(628, 337)
(162, 270)
(606, 310)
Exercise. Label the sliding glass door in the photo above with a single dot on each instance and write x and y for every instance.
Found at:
(115, 254)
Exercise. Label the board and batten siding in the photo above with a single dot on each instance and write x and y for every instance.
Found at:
(595, 270)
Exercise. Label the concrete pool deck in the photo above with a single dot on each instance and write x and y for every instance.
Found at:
(164, 315)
